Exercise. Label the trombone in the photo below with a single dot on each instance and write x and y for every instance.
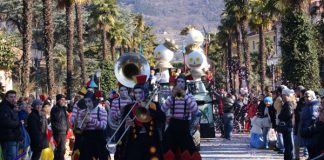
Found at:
(141, 113)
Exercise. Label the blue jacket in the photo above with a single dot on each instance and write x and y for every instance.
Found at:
(308, 119)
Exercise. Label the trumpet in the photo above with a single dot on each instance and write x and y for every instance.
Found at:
(141, 114)
(79, 128)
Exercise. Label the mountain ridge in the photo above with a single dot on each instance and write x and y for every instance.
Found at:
(169, 17)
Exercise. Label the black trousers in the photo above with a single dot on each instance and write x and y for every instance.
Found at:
(93, 145)
(178, 137)
(312, 152)
(36, 154)
(60, 147)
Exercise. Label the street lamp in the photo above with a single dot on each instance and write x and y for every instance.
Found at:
(37, 55)
(272, 62)
(98, 75)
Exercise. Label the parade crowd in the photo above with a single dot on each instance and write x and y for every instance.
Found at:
(284, 119)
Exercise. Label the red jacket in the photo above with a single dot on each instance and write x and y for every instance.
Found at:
(251, 110)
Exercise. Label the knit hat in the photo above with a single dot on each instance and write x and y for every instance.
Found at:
(281, 88)
(311, 94)
(36, 102)
(268, 100)
(90, 95)
(287, 92)
(59, 96)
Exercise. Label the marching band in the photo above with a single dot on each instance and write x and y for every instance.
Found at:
(137, 125)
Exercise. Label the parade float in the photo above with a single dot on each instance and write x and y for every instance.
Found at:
(196, 61)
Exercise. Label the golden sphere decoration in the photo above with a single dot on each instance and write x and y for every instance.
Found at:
(152, 150)
(154, 158)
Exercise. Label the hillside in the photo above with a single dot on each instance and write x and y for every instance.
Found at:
(168, 17)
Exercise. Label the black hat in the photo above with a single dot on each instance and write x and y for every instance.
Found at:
(59, 96)
(90, 94)
(36, 102)
(182, 76)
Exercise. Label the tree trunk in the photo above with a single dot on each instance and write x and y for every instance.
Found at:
(112, 49)
(245, 44)
(262, 57)
(226, 66)
(229, 63)
(246, 51)
(48, 42)
(78, 11)
(239, 52)
(69, 48)
(27, 42)
(104, 45)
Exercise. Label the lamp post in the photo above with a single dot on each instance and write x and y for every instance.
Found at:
(272, 62)
(37, 55)
(98, 75)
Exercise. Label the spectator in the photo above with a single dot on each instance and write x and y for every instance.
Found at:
(228, 117)
(278, 103)
(308, 119)
(10, 133)
(285, 122)
(60, 126)
(24, 110)
(300, 91)
(316, 132)
(37, 125)
(264, 112)
(251, 110)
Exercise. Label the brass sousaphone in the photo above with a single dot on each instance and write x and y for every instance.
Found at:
(127, 67)
(130, 65)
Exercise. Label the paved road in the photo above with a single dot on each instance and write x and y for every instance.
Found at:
(237, 148)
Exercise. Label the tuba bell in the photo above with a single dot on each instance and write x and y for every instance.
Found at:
(128, 66)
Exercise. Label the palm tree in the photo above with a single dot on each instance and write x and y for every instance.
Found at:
(27, 42)
(139, 29)
(104, 14)
(241, 9)
(48, 41)
(78, 11)
(263, 13)
(227, 29)
(69, 5)
(115, 35)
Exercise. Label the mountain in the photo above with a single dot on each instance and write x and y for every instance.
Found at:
(169, 17)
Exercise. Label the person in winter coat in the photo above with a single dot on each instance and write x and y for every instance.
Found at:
(316, 132)
(266, 112)
(285, 125)
(10, 133)
(300, 91)
(228, 116)
(251, 110)
(278, 103)
(36, 128)
(308, 119)
(60, 126)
